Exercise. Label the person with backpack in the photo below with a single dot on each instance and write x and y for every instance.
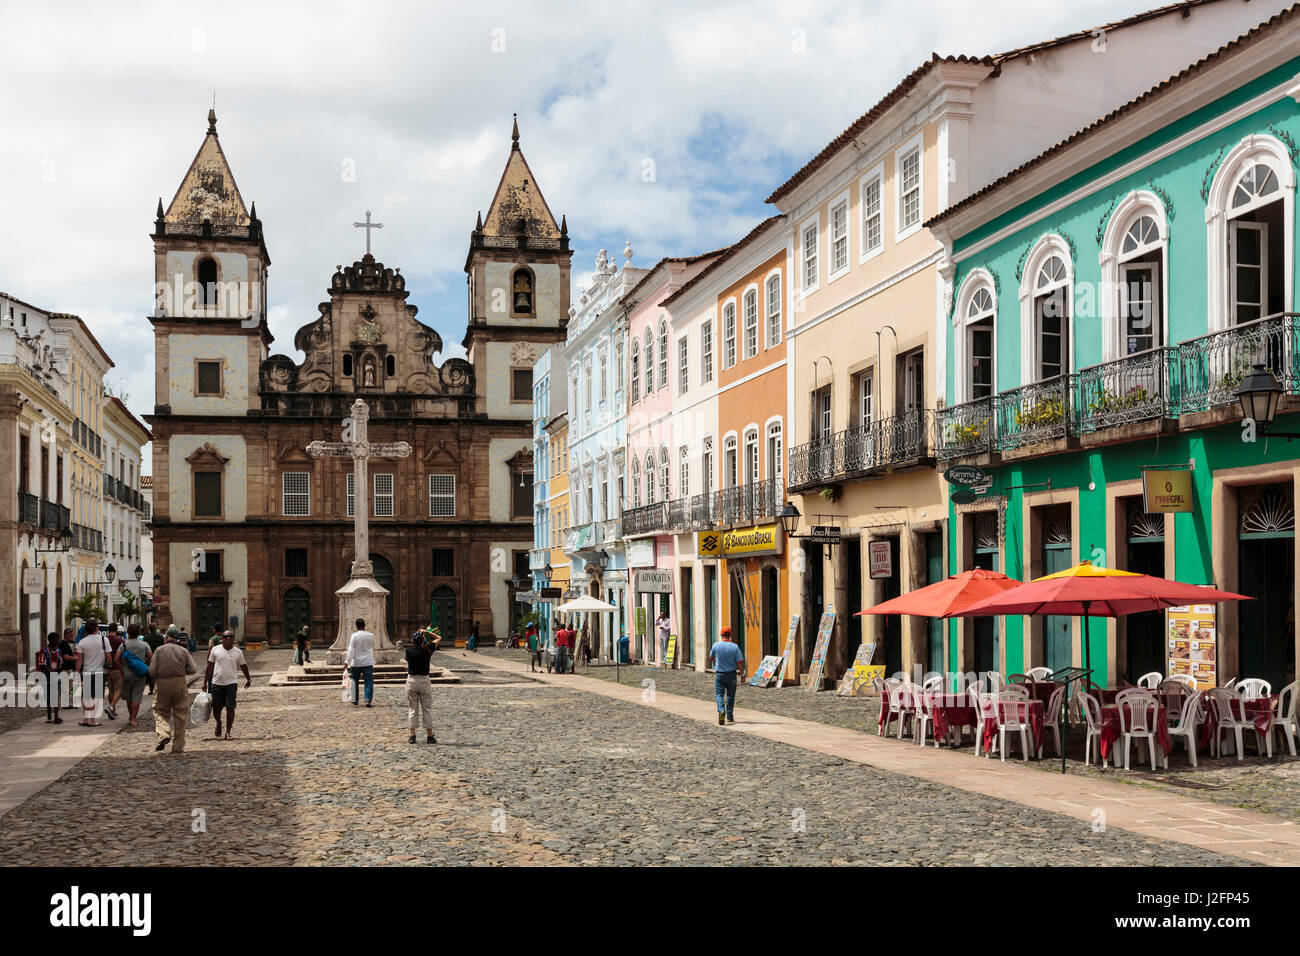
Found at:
(133, 658)
(93, 655)
(49, 661)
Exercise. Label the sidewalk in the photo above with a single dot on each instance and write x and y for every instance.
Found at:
(1258, 837)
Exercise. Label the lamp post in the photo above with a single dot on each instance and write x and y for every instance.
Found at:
(1259, 395)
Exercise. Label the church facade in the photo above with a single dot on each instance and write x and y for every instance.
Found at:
(249, 531)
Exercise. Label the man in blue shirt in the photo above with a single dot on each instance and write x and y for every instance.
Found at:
(728, 664)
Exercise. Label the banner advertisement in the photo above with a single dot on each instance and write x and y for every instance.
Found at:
(1193, 643)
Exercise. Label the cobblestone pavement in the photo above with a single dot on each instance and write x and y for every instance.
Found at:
(1255, 783)
(526, 773)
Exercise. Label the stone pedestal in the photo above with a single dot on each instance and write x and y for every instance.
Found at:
(363, 597)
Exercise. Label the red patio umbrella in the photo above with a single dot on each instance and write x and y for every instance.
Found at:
(947, 598)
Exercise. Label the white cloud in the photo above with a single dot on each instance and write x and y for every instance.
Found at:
(112, 107)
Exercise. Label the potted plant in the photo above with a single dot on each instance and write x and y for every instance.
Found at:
(831, 493)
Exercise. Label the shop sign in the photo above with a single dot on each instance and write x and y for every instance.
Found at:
(1164, 492)
(33, 581)
(1193, 643)
(752, 542)
(825, 534)
(654, 582)
(708, 544)
(641, 554)
(966, 475)
(549, 593)
(880, 559)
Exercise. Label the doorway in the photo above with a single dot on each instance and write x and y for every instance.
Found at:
(771, 613)
(710, 604)
(890, 588)
(934, 626)
(1145, 632)
(686, 619)
(208, 612)
(295, 613)
(1266, 572)
(444, 599)
(1058, 539)
(853, 624)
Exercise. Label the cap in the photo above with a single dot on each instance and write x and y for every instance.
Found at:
(173, 631)
(726, 632)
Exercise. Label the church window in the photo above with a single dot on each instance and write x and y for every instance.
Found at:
(521, 385)
(207, 274)
(390, 365)
(207, 378)
(521, 296)
(444, 562)
(348, 366)
(295, 562)
(296, 493)
(442, 496)
(383, 496)
(207, 494)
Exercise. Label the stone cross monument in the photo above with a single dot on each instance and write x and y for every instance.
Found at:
(362, 597)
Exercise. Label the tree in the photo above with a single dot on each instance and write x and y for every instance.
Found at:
(88, 607)
(128, 606)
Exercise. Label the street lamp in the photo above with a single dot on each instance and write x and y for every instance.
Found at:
(139, 573)
(109, 573)
(789, 516)
(64, 543)
(1259, 395)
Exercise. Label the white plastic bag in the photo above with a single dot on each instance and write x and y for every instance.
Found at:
(201, 709)
(347, 688)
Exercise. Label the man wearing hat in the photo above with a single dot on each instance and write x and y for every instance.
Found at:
(728, 665)
(171, 703)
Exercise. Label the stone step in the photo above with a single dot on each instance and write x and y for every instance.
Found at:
(324, 674)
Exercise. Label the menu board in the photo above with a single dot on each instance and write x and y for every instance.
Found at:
(672, 651)
(766, 670)
(817, 666)
(789, 649)
(1193, 643)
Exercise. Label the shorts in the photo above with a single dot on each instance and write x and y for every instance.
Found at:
(132, 688)
(114, 681)
(223, 695)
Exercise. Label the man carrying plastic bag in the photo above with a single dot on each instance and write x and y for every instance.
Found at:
(169, 668)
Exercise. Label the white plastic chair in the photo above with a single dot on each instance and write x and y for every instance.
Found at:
(1092, 714)
(996, 681)
(1225, 715)
(1151, 680)
(1189, 723)
(921, 719)
(1052, 719)
(1185, 679)
(1253, 688)
(933, 684)
(983, 704)
(1285, 721)
(892, 699)
(1039, 673)
(1228, 685)
(1012, 713)
(1018, 689)
(1138, 712)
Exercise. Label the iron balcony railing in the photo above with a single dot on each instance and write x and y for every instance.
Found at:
(1033, 413)
(1136, 388)
(880, 445)
(965, 429)
(1211, 367)
(29, 509)
(748, 503)
(703, 511)
(55, 518)
(646, 519)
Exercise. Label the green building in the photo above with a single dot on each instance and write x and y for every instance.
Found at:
(1105, 300)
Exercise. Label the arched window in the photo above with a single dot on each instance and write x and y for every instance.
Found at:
(750, 305)
(775, 456)
(390, 365)
(207, 276)
(1045, 298)
(729, 334)
(774, 328)
(979, 344)
(636, 484)
(636, 370)
(1250, 218)
(664, 486)
(751, 475)
(521, 292)
(648, 350)
(1134, 280)
(729, 464)
(663, 354)
(348, 367)
(649, 478)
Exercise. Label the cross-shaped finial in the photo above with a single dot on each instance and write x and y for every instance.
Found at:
(367, 226)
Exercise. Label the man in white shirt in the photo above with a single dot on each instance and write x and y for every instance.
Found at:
(93, 652)
(222, 679)
(663, 626)
(360, 661)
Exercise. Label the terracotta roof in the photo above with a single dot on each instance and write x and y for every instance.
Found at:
(674, 260)
(912, 79)
(1152, 94)
(727, 254)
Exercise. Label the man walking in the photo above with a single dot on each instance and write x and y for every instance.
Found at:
(728, 665)
(68, 667)
(155, 640)
(563, 646)
(113, 672)
(534, 648)
(419, 690)
(48, 663)
(360, 661)
(222, 680)
(171, 702)
(93, 655)
(133, 655)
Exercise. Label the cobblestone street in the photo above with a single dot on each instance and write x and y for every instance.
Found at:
(524, 773)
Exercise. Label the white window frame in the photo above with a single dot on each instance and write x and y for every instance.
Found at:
(1046, 247)
(749, 318)
(684, 471)
(604, 378)
(730, 460)
(774, 324)
(618, 367)
(729, 351)
(840, 202)
(867, 251)
(902, 231)
(648, 360)
(635, 395)
(706, 464)
(752, 454)
(663, 353)
(864, 398)
(301, 498)
(813, 225)
(390, 496)
(1236, 226)
(1113, 260)
(774, 432)
(706, 351)
(442, 495)
(683, 364)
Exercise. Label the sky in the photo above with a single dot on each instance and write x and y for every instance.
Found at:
(664, 123)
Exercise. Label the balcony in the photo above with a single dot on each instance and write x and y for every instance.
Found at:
(880, 446)
(646, 519)
(747, 504)
(29, 509)
(1160, 384)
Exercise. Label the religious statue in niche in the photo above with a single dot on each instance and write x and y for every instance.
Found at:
(523, 292)
(368, 375)
(368, 330)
